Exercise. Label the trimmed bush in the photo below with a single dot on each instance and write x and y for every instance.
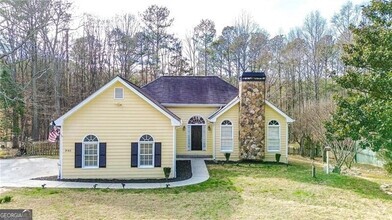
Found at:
(336, 169)
(227, 156)
(166, 171)
(388, 167)
(5, 199)
(277, 157)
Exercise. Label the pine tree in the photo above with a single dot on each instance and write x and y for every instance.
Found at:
(11, 105)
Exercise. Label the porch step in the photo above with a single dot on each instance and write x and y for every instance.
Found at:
(194, 156)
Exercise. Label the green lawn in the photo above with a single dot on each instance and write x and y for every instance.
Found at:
(241, 191)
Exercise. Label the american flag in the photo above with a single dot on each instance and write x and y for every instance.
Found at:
(53, 134)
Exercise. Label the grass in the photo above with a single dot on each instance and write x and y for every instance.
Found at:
(243, 191)
(5, 199)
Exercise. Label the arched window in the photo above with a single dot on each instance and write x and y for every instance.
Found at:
(90, 151)
(146, 151)
(273, 138)
(196, 120)
(226, 136)
(196, 133)
(273, 122)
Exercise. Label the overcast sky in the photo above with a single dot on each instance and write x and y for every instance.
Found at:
(275, 16)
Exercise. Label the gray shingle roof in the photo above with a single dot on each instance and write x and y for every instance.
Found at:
(191, 90)
(151, 99)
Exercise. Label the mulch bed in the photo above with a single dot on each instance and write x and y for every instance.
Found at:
(184, 172)
(243, 162)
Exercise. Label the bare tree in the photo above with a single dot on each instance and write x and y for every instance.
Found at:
(191, 52)
(314, 30)
(244, 28)
(348, 15)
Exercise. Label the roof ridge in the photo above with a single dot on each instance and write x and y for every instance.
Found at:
(191, 89)
(228, 83)
(150, 82)
(152, 99)
(169, 76)
(189, 76)
(127, 81)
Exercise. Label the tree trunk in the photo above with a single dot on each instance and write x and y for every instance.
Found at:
(34, 62)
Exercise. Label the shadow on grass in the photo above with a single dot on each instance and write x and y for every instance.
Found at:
(214, 199)
(222, 177)
(300, 172)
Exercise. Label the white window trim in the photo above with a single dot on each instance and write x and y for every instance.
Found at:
(232, 136)
(153, 153)
(280, 138)
(83, 148)
(115, 93)
(189, 126)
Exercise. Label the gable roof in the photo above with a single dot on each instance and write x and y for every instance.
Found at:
(175, 120)
(288, 119)
(222, 110)
(205, 90)
(236, 100)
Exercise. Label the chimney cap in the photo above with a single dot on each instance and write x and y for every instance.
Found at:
(252, 76)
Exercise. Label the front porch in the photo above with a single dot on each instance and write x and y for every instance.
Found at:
(182, 156)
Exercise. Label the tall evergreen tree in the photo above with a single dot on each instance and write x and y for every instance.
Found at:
(11, 105)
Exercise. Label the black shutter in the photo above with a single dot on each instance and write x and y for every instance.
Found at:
(157, 157)
(102, 155)
(134, 156)
(78, 155)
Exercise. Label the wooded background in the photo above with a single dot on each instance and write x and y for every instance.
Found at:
(51, 60)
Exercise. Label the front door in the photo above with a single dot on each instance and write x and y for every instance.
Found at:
(196, 135)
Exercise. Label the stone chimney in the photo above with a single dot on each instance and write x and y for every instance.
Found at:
(252, 115)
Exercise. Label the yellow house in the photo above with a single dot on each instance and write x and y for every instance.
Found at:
(127, 132)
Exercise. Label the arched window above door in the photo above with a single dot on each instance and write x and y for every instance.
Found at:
(196, 120)
(196, 133)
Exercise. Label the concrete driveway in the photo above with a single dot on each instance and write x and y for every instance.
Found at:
(18, 173)
(20, 170)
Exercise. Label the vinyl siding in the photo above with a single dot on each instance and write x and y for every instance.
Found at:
(118, 122)
(233, 115)
(271, 114)
(185, 113)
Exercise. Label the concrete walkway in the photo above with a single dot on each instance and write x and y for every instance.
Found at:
(199, 175)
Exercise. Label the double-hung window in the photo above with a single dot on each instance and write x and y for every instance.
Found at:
(226, 136)
(90, 151)
(273, 136)
(146, 151)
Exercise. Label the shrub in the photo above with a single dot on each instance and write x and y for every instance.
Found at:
(277, 157)
(386, 157)
(5, 199)
(388, 167)
(227, 156)
(336, 169)
(166, 171)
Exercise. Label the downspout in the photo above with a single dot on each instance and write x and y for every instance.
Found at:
(61, 153)
(287, 142)
(174, 152)
(213, 142)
